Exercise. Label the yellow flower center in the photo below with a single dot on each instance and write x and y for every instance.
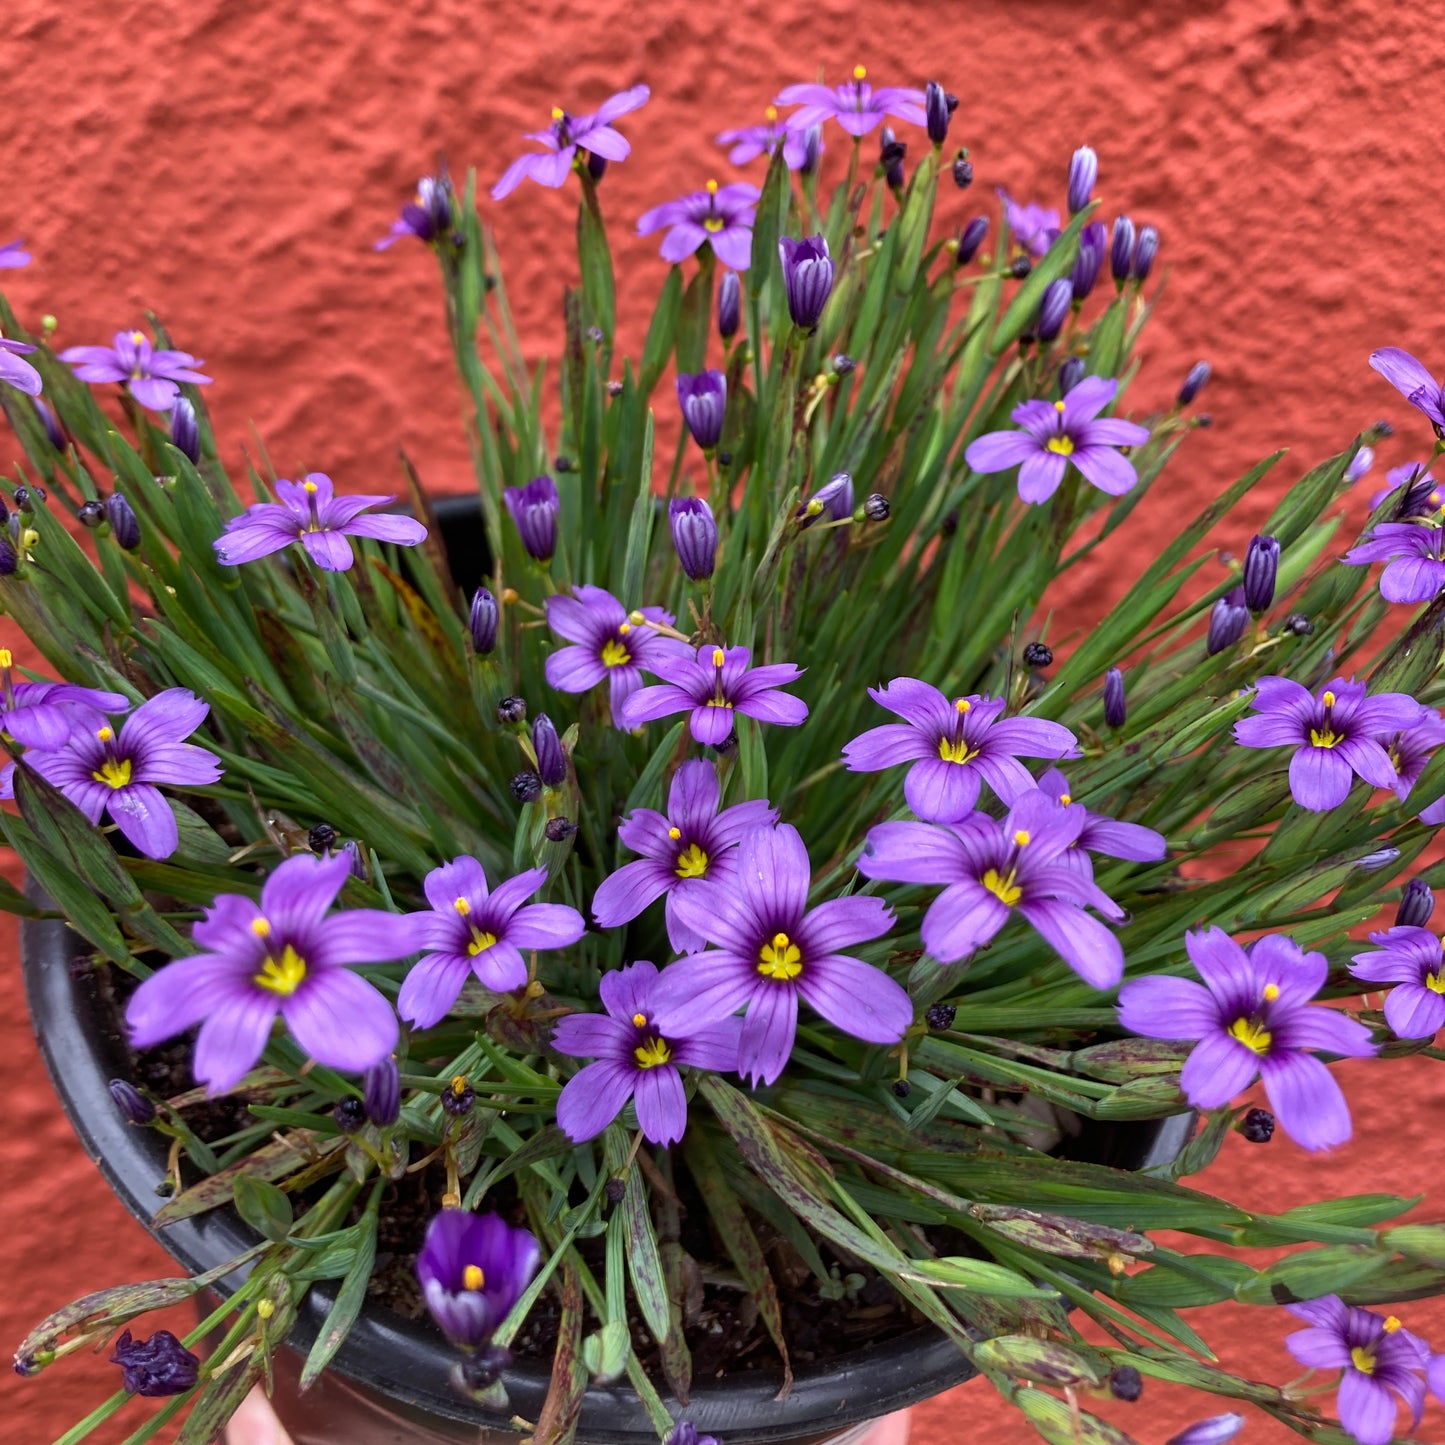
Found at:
(713, 224)
(1003, 887)
(481, 941)
(956, 752)
(692, 862)
(1252, 1034)
(113, 773)
(1326, 739)
(1064, 446)
(614, 654)
(281, 976)
(1363, 1359)
(654, 1052)
(473, 1277)
(781, 959)
(1435, 982)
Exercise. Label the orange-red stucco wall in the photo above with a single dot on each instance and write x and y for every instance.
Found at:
(229, 164)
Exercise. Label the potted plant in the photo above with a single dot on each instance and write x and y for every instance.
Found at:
(727, 944)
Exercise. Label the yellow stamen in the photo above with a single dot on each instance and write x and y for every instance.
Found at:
(814, 507)
(558, 113)
(462, 907)
(1251, 1034)
(1392, 1324)
(137, 337)
(104, 734)
(718, 702)
(473, 1277)
(261, 927)
(1363, 1360)
(781, 959)
(1065, 799)
(6, 660)
(281, 976)
(113, 774)
(691, 862)
(712, 188)
(1061, 446)
(614, 654)
(674, 834)
(639, 1020)
(654, 1052)
(1022, 837)
(860, 72)
(963, 705)
(771, 112)
(1326, 739)
(308, 486)
(1059, 406)
(1328, 699)
(1271, 992)
(459, 1084)
(480, 941)
(265, 1309)
(955, 752)
(1003, 888)
(718, 657)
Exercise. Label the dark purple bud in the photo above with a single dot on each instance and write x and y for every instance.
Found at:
(349, 1114)
(703, 399)
(1125, 1383)
(1145, 252)
(1257, 1126)
(808, 273)
(562, 463)
(694, 535)
(1298, 625)
(534, 509)
(355, 859)
(1021, 268)
(185, 431)
(1071, 373)
(1421, 498)
(483, 622)
(902, 1088)
(935, 105)
(1121, 249)
(1417, 903)
(1261, 567)
(970, 239)
(1038, 654)
(161, 1365)
(1083, 173)
(1228, 622)
(91, 514)
(1054, 308)
(941, 1015)
(1116, 707)
(26, 497)
(843, 365)
(812, 149)
(134, 1105)
(877, 507)
(511, 711)
(458, 1097)
(526, 787)
(1194, 381)
(123, 524)
(891, 152)
(615, 1190)
(596, 165)
(835, 498)
(481, 1369)
(472, 1269)
(1382, 429)
(962, 171)
(321, 837)
(9, 557)
(381, 1091)
(558, 830)
(551, 760)
(52, 426)
(729, 305)
(1093, 247)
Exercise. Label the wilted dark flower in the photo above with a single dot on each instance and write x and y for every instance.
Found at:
(729, 305)
(458, 1098)
(526, 787)
(843, 365)
(940, 1015)
(962, 171)
(877, 507)
(1116, 709)
(381, 1087)
(1257, 1126)
(558, 830)
(349, 1114)
(970, 239)
(1020, 268)
(430, 217)
(551, 760)
(131, 1102)
(1194, 381)
(694, 535)
(891, 152)
(161, 1365)
(483, 621)
(1227, 622)
(935, 105)
(1038, 654)
(1125, 1383)
(91, 514)
(1261, 566)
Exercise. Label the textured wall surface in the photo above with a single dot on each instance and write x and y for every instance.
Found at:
(228, 166)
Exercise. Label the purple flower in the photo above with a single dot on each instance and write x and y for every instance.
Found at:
(309, 512)
(1409, 377)
(712, 687)
(1409, 750)
(1093, 247)
(566, 136)
(1101, 833)
(808, 275)
(45, 714)
(1056, 433)
(635, 1059)
(855, 105)
(1415, 570)
(1261, 570)
(534, 509)
(161, 1365)
(835, 497)
(1414, 961)
(12, 255)
(284, 956)
(473, 1268)
(992, 869)
(19, 374)
(751, 141)
(1380, 1360)
(694, 843)
(1032, 226)
(722, 217)
(954, 746)
(151, 376)
(100, 771)
(1252, 1018)
(771, 950)
(1121, 249)
(1420, 495)
(473, 930)
(611, 645)
(430, 217)
(1216, 1430)
(1083, 176)
(703, 399)
(694, 534)
(970, 239)
(1335, 735)
(1228, 621)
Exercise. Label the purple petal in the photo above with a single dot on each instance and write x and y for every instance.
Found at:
(1039, 477)
(231, 1039)
(999, 450)
(714, 1047)
(341, 1020)
(154, 392)
(1268, 730)
(177, 997)
(661, 1104)
(1220, 1069)
(708, 725)
(1319, 1348)
(734, 246)
(625, 893)
(857, 998)
(941, 792)
(594, 1036)
(1412, 579)
(1086, 400)
(648, 704)
(329, 550)
(500, 968)
(1367, 1409)
(842, 922)
(610, 145)
(1401, 370)
(912, 853)
(1111, 431)
(593, 1098)
(1106, 469)
(145, 819)
(463, 877)
(431, 987)
(1085, 944)
(401, 531)
(768, 1031)
(961, 919)
(1306, 1100)
(1415, 1012)
(1318, 779)
(682, 240)
(545, 925)
(774, 871)
(364, 935)
(884, 746)
(1167, 1008)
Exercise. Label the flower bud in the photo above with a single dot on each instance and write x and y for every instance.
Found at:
(381, 1093)
(877, 507)
(1213, 1431)
(134, 1105)
(1145, 252)
(694, 536)
(511, 711)
(1359, 465)
(902, 1088)
(53, 430)
(615, 1190)
(1121, 249)
(970, 239)
(1378, 860)
(185, 431)
(534, 509)
(808, 275)
(562, 464)
(321, 837)
(1257, 1126)
(729, 305)
(1227, 622)
(1298, 625)
(891, 152)
(1417, 903)
(941, 1015)
(484, 622)
(835, 498)
(812, 149)
(1021, 268)
(1038, 654)
(1193, 382)
(349, 1114)
(935, 106)
(1054, 308)
(481, 1369)
(962, 171)
(703, 399)
(26, 497)
(91, 514)
(9, 557)
(558, 830)
(1071, 373)
(161, 1365)
(1125, 1383)
(1261, 567)
(551, 760)
(1116, 708)
(596, 166)
(458, 1097)
(1093, 247)
(1083, 173)
(526, 787)
(123, 524)
(843, 365)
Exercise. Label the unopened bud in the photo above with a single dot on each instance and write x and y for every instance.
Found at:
(1125, 1383)
(526, 787)
(54, 432)
(1194, 381)
(558, 830)
(1121, 249)
(891, 152)
(1020, 268)
(185, 430)
(381, 1093)
(962, 171)
(1261, 567)
(511, 711)
(321, 837)
(1071, 373)
(123, 524)
(1054, 308)
(935, 105)
(941, 1015)
(1257, 1126)
(1298, 625)
(1228, 622)
(483, 622)
(134, 1105)
(551, 760)
(1145, 252)
(843, 365)
(1116, 707)
(1038, 654)
(876, 507)
(355, 858)
(902, 1088)
(970, 239)
(1083, 174)
(1417, 903)
(596, 166)
(26, 497)
(729, 305)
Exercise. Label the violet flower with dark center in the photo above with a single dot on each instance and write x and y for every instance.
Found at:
(712, 687)
(1410, 750)
(719, 216)
(150, 376)
(473, 1268)
(568, 134)
(1380, 1359)
(1413, 959)
(693, 844)
(751, 141)
(770, 950)
(808, 276)
(1055, 434)
(954, 746)
(1113, 838)
(13, 255)
(855, 104)
(161, 1365)
(635, 1059)
(1031, 226)
(1252, 1017)
(1336, 735)
(1415, 567)
(431, 217)
(1409, 377)
(473, 929)
(1420, 496)
(703, 399)
(46, 714)
(534, 509)
(311, 513)
(991, 870)
(611, 645)
(286, 955)
(15, 372)
(102, 772)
